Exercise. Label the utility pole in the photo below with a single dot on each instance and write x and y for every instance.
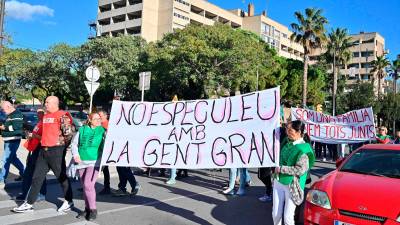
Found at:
(2, 12)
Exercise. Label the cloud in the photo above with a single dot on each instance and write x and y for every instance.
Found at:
(25, 12)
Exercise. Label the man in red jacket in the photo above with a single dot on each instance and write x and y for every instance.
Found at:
(57, 131)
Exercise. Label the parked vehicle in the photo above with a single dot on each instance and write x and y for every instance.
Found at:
(364, 189)
(30, 121)
(79, 118)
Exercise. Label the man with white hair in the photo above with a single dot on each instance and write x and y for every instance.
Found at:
(57, 131)
(12, 133)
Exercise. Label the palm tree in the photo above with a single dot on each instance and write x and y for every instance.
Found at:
(309, 32)
(339, 43)
(396, 69)
(378, 66)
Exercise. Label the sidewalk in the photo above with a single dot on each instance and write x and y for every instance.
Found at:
(22, 153)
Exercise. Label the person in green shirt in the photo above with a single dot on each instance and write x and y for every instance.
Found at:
(87, 147)
(382, 137)
(296, 159)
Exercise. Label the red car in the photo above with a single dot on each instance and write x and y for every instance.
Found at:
(363, 190)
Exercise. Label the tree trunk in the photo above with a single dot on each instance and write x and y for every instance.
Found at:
(379, 87)
(334, 86)
(305, 80)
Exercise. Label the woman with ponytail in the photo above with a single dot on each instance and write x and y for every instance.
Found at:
(87, 147)
(296, 159)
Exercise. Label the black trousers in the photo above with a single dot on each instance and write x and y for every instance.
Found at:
(28, 173)
(53, 158)
(106, 173)
(125, 175)
(264, 174)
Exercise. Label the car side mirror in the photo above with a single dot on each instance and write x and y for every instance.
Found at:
(339, 162)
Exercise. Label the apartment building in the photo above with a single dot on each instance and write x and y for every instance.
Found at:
(151, 19)
(367, 47)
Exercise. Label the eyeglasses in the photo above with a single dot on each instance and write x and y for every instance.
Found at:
(96, 119)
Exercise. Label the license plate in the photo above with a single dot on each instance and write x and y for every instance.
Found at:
(337, 222)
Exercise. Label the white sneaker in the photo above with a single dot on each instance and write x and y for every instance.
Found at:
(228, 191)
(66, 206)
(25, 207)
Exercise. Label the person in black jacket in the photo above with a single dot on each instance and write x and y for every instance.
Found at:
(12, 131)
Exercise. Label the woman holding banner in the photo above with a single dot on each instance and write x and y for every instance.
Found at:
(296, 159)
(86, 149)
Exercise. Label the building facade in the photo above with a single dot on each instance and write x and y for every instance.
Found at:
(367, 47)
(151, 19)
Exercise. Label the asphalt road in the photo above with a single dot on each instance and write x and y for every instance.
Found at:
(193, 200)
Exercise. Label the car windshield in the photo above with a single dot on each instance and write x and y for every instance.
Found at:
(385, 163)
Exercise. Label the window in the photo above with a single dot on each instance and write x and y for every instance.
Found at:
(354, 65)
(367, 54)
(183, 2)
(365, 65)
(265, 28)
(181, 16)
(277, 34)
(356, 54)
(284, 35)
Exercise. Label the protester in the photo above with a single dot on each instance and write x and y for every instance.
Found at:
(397, 139)
(264, 174)
(87, 147)
(33, 146)
(56, 135)
(230, 190)
(12, 133)
(382, 137)
(126, 175)
(107, 189)
(296, 159)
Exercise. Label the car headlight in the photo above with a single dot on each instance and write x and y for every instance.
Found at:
(319, 198)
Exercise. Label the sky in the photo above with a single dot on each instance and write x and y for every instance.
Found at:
(38, 24)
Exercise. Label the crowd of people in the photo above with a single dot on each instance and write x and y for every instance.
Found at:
(48, 143)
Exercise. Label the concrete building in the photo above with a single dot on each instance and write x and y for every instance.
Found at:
(151, 19)
(367, 46)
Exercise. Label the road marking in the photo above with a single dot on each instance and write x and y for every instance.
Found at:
(29, 216)
(7, 204)
(83, 223)
(151, 203)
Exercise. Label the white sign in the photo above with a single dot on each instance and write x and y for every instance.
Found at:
(352, 127)
(91, 87)
(92, 73)
(239, 131)
(146, 82)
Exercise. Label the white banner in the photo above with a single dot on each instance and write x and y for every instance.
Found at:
(239, 131)
(352, 127)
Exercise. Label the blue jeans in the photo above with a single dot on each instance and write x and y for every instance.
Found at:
(244, 178)
(125, 175)
(172, 174)
(28, 174)
(232, 177)
(10, 157)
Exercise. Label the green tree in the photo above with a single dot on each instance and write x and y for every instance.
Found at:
(202, 61)
(338, 50)
(378, 68)
(362, 96)
(119, 62)
(50, 74)
(310, 33)
(14, 66)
